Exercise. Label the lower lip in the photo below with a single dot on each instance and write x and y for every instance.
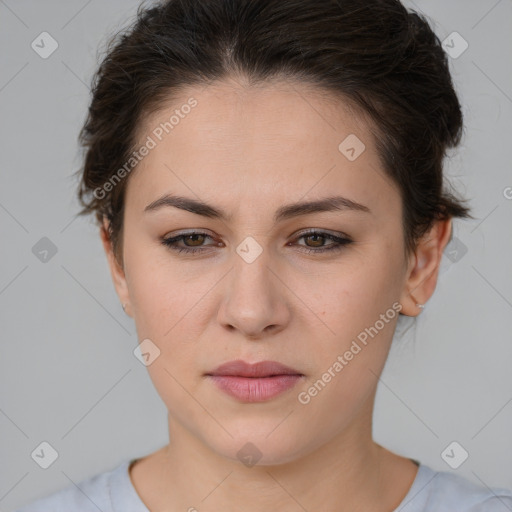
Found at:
(251, 389)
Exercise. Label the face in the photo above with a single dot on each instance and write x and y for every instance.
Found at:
(256, 285)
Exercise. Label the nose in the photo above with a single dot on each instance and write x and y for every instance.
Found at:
(255, 300)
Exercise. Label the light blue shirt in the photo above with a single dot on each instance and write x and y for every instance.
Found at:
(431, 491)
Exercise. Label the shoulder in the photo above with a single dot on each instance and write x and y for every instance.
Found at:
(446, 491)
(88, 495)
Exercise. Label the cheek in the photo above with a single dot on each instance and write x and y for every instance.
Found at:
(356, 314)
(348, 363)
(349, 300)
(163, 297)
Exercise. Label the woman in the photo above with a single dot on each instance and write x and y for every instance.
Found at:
(267, 177)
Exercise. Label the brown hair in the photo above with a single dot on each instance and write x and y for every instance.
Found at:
(375, 54)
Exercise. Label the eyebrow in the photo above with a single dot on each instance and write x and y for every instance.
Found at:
(333, 203)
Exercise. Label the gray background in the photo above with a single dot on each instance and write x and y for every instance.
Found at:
(68, 374)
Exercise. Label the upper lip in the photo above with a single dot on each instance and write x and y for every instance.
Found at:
(261, 369)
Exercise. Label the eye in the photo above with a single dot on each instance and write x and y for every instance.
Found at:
(194, 238)
(319, 237)
(193, 242)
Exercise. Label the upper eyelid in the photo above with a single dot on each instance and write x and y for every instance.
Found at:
(298, 234)
(321, 231)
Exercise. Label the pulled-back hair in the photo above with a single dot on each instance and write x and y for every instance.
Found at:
(374, 54)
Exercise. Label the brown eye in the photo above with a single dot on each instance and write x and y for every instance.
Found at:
(196, 238)
(189, 242)
(317, 240)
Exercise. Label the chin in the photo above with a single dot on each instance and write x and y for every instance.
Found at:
(255, 447)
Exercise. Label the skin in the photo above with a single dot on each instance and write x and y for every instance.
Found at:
(250, 150)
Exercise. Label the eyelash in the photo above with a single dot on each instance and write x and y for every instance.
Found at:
(340, 242)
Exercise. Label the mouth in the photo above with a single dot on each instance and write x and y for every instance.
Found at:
(257, 382)
(239, 368)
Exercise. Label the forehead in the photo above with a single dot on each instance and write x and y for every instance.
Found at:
(278, 139)
(270, 112)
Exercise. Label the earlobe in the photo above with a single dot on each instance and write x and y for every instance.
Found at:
(424, 268)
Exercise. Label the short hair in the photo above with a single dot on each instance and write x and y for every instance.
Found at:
(375, 55)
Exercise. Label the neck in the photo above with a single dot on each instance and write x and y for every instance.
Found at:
(349, 472)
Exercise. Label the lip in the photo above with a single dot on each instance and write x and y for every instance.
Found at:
(256, 382)
(240, 368)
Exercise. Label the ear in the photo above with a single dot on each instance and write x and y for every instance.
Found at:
(423, 268)
(116, 271)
